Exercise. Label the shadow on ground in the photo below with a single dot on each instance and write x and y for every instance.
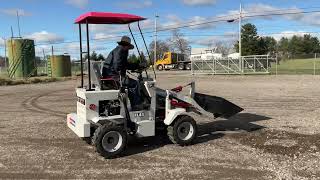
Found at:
(206, 132)
(240, 122)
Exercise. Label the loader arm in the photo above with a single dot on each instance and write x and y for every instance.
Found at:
(210, 106)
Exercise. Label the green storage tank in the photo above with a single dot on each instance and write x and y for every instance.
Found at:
(59, 66)
(21, 55)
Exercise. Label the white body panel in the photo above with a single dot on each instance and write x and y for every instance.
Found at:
(109, 118)
(146, 128)
(78, 126)
(92, 97)
(80, 123)
(145, 120)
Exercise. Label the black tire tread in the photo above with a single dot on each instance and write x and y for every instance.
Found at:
(174, 137)
(99, 133)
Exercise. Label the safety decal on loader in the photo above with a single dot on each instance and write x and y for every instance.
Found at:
(72, 121)
(82, 101)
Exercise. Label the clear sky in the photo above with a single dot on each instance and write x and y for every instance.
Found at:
(51, 21)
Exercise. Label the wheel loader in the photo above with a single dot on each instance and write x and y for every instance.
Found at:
(104, 114)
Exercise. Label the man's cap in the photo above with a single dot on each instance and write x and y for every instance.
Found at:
(126, 41)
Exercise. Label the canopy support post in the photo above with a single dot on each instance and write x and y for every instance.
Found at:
(134, 40)
(135, 43)
(81, 59)
(88, 54)
(155, 76)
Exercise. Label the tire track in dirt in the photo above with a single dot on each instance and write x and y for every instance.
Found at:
(31, 104)
(7, 94)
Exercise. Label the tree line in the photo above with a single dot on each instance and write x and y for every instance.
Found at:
(287, 48)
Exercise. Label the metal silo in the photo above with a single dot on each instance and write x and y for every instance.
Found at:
(59, 66)
(21, 55)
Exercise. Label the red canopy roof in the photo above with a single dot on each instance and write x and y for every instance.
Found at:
(107, 18)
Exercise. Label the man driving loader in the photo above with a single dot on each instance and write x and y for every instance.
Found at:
(116, 66)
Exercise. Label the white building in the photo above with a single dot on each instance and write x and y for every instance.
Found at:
(204, 54)
(234, 56)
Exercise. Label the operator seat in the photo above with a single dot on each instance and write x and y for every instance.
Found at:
(102, 83)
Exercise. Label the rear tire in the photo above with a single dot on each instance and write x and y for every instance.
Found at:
(188, 66)
(160, 67)
(183, 131)
(110, 140)
(181, 66)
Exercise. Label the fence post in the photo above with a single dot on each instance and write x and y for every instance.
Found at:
(242, 65)
(276, 64)
(314, 64)
(214, 66)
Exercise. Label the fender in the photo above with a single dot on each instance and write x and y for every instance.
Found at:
(172, 114)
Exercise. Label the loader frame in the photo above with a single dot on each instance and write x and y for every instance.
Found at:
(106, 117)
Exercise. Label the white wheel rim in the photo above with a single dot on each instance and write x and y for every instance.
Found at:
(112, 141)
(185, 131)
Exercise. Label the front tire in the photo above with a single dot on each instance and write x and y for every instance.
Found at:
(183, 131)
(160, 67)
(110, 140)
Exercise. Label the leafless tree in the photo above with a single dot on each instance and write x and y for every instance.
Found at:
(178, 43)
(223, 48)
(162, 47)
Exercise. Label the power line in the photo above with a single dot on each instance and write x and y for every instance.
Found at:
(217, 18)
(174, 27)
(189, 24)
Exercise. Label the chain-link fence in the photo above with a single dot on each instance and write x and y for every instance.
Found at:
(258, 64)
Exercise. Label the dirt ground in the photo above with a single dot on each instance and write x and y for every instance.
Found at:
(275, 137)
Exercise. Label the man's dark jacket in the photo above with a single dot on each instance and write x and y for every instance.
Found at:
(117, 63)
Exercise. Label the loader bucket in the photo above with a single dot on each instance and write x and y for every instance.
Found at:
(217, 105)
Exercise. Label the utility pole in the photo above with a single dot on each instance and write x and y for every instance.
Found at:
(12, 33)
(18, 20)
(155, 39)
(240, 43)
(240, 23)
